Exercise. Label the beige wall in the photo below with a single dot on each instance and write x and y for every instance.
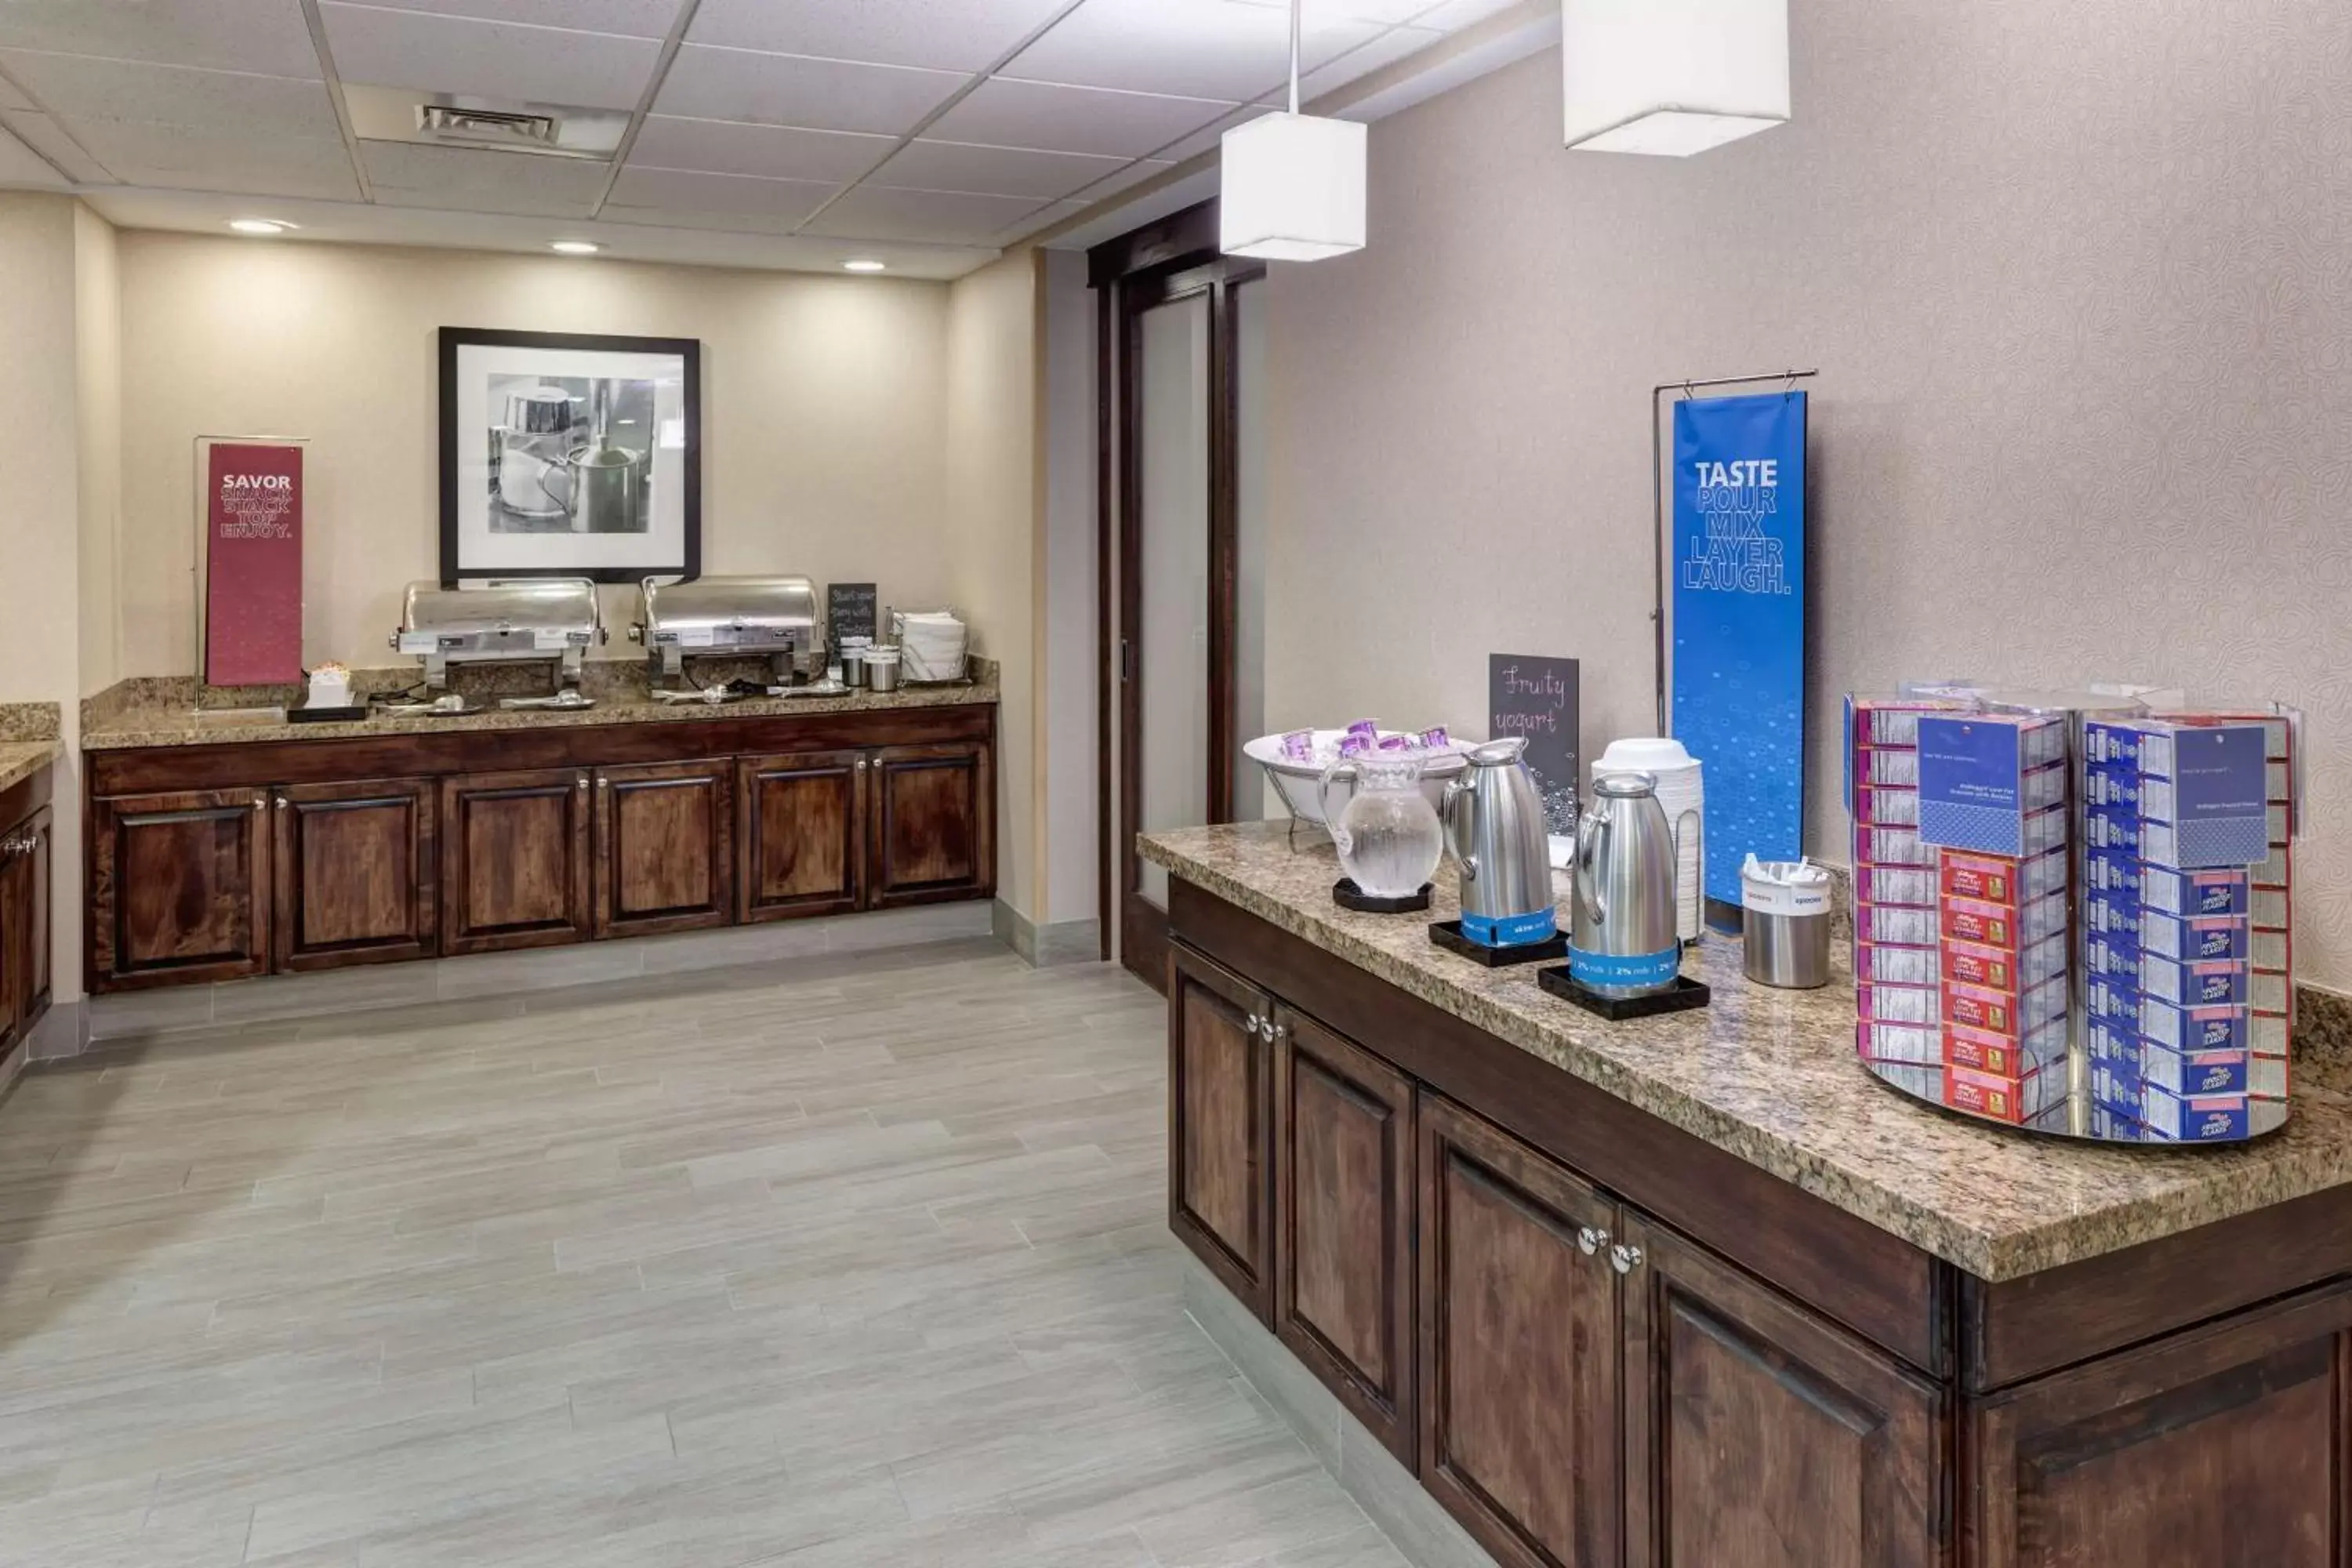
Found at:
(97, 356)
(823, 416)
(56, 402)
(1067, 790)
(995, 520)
(2075, 277)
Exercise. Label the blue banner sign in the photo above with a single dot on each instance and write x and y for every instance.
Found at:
(1738, 681)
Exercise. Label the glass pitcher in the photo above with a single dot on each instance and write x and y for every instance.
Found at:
(1387, 834)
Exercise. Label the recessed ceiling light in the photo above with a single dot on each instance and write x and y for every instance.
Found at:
(575, 247)
(259, 225)
(864, 263)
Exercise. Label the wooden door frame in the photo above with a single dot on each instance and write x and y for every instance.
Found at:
(1174, 259)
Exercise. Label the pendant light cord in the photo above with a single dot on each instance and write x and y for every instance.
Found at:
(1294, 6)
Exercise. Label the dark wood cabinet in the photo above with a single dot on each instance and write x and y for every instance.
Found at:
(515, 859)
(179, 887)
(357, 874)
(802, 833)
(26, 856)
(664, 852)
(2220, 1447)
(934, 824)
(1343, 1207)
(1758, 1435)
(1519, 1347)
(1220, 1133)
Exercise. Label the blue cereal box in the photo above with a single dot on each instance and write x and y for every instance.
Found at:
(2194, 1028)
(2200, 936)
(2193, 796)
(2190, 1074)
(2225, 893)
(2192, 1119)
(2208, 983)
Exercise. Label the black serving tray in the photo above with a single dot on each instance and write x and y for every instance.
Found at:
(1447, 934)
(325, 715)
(1683, 996)
(1345, 893)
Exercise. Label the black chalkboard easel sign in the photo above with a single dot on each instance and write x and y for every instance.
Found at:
(1536, 698)
(849, 611)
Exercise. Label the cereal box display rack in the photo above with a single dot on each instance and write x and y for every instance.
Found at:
(2072, 912)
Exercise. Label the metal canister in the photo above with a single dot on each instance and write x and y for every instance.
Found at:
(1785, 923)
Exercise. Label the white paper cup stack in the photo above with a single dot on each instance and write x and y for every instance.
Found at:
(932, 645)
(1682, 796)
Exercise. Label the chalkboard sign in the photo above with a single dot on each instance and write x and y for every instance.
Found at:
(1536, 698)
(849, 610)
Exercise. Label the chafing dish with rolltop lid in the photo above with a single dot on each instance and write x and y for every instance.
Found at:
(727, 617)
(503, 621)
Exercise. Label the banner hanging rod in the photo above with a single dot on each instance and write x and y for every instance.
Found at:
(1658, 504)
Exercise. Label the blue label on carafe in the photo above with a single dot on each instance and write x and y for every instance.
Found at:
(1598, 969)
(1510, 931)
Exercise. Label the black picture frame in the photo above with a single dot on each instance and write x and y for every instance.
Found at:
(689, 350)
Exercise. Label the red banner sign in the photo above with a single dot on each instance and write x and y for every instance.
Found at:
(253, 564)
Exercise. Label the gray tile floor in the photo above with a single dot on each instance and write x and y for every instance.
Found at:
(855, 1260)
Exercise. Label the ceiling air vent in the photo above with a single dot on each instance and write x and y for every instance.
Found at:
(486, 127)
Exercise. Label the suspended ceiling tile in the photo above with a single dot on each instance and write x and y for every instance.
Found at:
(73, 87)
(626, 18)
(1208, 137)
(945, 35)
(12, 97)
(20, 166)
(46, 136)
(1003, 112)
(939, 217)
(1043, 217)
(929, 165)
(778, 206)
(1135, 173)
(1452, 16)
(266, 37)
(181, 157)
(1194, 48)
(504, 61)
(1387, 50)
(472, 179)
(774, 151)
(790, 89)
(1379, 13)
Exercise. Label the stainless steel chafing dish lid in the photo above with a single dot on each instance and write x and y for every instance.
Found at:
(541, 617)
(745, 615)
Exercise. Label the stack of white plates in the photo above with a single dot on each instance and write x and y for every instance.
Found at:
(1683, 796)
(931, 645)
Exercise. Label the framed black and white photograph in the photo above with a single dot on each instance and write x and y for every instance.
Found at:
(570, 455)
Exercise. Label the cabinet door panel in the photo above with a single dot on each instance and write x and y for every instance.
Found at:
(1220, 1104)
(1343, 1222)
(357, 874)
(934, 824)
(1518, 1338)
(179, 889)
(24, 861)
(1757, 1435)
(803, 831)
(2222, 1448)
(665, 847)
(514, 860)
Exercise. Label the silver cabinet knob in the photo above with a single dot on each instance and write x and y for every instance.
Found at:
(1625, 1259)
(261, 803)
(1278, 1033)
(281, 803)
(584, 781)
(1254, 1023)
(1590, 1239)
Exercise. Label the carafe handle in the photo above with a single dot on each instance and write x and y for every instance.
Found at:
(1590, 829)
(1340, 839)
(1450, 816)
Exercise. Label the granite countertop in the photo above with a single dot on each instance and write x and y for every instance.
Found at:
(1770, 1075)
(20, 760)
(179, 724)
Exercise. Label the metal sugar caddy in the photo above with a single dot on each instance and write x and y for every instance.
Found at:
(2072, 910)
(774, 619)
(549, 620)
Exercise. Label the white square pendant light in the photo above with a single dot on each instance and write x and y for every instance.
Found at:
(1673, 77)
(1291, 188)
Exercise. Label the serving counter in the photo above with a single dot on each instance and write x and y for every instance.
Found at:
(1698, 1288)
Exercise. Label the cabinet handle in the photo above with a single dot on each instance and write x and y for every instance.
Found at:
(281, 803)
(1254, 1024)
(261, 803)
(603, 784)
(1625, 1259)
(861, 764)
(1590, 1239)
(1278, 1033)
(584, 781)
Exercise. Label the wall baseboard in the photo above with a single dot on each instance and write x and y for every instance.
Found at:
(1046, 946)
(131, 1015)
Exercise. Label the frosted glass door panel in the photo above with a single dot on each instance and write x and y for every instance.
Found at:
(1253, 798)
(1172, 634)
